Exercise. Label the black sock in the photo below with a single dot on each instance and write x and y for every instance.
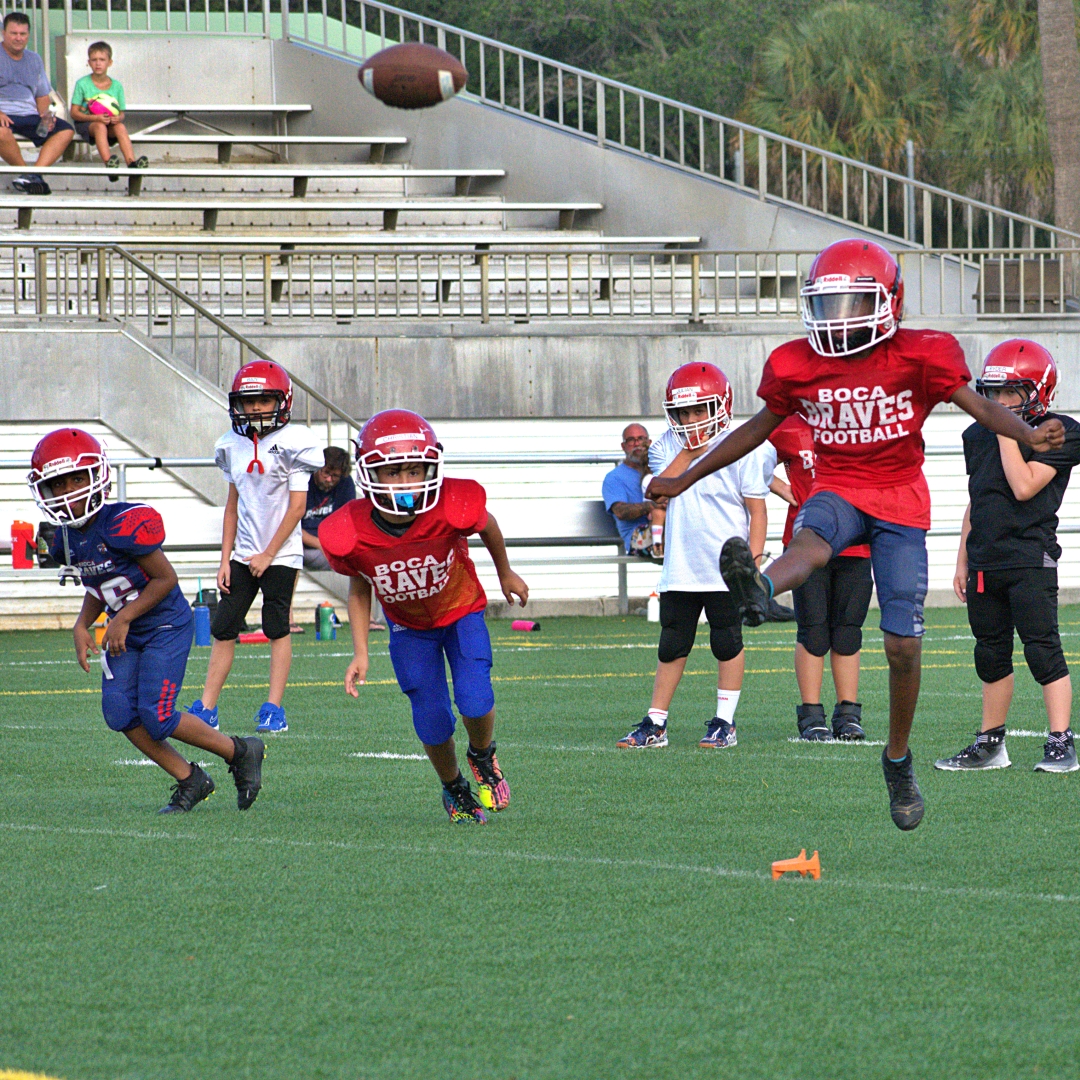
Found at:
(993, 736)
(240, 749)
(485, 753)
(456, 784)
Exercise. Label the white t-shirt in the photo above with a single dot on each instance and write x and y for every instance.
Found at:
(289, 456)
(706, 514)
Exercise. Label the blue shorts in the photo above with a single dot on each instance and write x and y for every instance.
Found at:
(146, 681)
(417, 656)
(897, 554)
(25, 127)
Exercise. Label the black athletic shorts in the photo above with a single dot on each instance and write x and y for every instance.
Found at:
(25, 127)
(831, 606)
(276, 584)
(1024, 599)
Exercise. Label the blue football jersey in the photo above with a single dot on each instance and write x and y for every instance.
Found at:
(104, 550)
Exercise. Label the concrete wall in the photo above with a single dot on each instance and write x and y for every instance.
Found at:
(67, 374)
(561, 369)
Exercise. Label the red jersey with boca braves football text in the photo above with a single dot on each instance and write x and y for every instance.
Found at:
(867, 413)
(424, 579)
(793, 441)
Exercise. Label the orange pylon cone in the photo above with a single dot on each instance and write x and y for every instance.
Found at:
(801, 865)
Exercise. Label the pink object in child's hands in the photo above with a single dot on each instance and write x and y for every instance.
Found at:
(101, 108)
(524, 624)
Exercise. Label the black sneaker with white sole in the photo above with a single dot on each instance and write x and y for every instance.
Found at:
(246, 769)
(31, 184)
(188, 793)
(811, 722)
(847, 721)
(749, 587)
(1059, 753)
(905, 798)
(986, 752)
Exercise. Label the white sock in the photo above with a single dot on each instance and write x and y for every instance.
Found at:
(658, 717)
(726, 703)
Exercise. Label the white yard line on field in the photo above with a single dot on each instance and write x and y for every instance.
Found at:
(963, 892)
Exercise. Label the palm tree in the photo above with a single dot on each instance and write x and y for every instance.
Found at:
(1061, 94)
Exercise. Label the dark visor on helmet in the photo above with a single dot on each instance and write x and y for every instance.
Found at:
(834, 307)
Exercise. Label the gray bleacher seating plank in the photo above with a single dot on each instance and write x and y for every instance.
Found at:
(211, 205)
(299, 174)
(474, 239)
(225, 143)
(182, 107)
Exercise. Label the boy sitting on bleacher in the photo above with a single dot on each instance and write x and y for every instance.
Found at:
(98, 106)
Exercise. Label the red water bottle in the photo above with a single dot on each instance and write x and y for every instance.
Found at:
(22, 545)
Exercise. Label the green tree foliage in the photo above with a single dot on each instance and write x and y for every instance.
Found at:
(960, 78)
(849, 78)
(697, 51)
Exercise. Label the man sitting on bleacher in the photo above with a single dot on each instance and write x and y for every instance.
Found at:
(24, 106)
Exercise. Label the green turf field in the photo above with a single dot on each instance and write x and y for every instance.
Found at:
(618, 920)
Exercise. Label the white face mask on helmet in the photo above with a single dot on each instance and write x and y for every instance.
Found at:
(60, 509)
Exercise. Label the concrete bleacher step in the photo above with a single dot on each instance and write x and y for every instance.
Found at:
(35, 600)
(254, 211)
(297, 180)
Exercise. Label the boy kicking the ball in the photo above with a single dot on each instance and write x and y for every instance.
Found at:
(866, 387)
(116, 548)
(407, 538)
(1006, 568)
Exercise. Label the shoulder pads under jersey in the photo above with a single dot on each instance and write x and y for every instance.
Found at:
(337, 533)
(464, 504)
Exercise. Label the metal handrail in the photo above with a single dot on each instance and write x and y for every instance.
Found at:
(246, 345)
(736, 139)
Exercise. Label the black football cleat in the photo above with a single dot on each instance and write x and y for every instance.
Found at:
(811, 721)
(749, 587)
(847, 721)
(246, 769)
(905, 798)
(187, 793)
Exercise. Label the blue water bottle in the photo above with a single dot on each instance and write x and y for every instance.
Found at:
(202, 624)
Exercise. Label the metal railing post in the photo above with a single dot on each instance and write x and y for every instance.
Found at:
(762, 167)
(624, 588)
(601, 113)
(41, 282)
(485, 299)
(927, 219)
(268, 289)
(121, 481)
(284, 19)
(695, 287)
(102, 286)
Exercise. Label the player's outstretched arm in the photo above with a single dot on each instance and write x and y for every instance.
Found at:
(92, 607)
(1049, 435)
(737, 445)
(159, 570)
(509, 582)
(359, 607)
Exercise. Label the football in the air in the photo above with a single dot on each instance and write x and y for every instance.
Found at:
(413, 76)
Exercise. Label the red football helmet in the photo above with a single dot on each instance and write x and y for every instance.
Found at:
(254, 380)
(66, 451)
(1023, 366)
(698, 384)
(399, 437)
(853, 298)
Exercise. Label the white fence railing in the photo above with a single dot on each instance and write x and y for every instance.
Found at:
(174, 290)
(605, 111)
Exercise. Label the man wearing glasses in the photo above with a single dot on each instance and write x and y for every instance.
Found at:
(622, 492)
